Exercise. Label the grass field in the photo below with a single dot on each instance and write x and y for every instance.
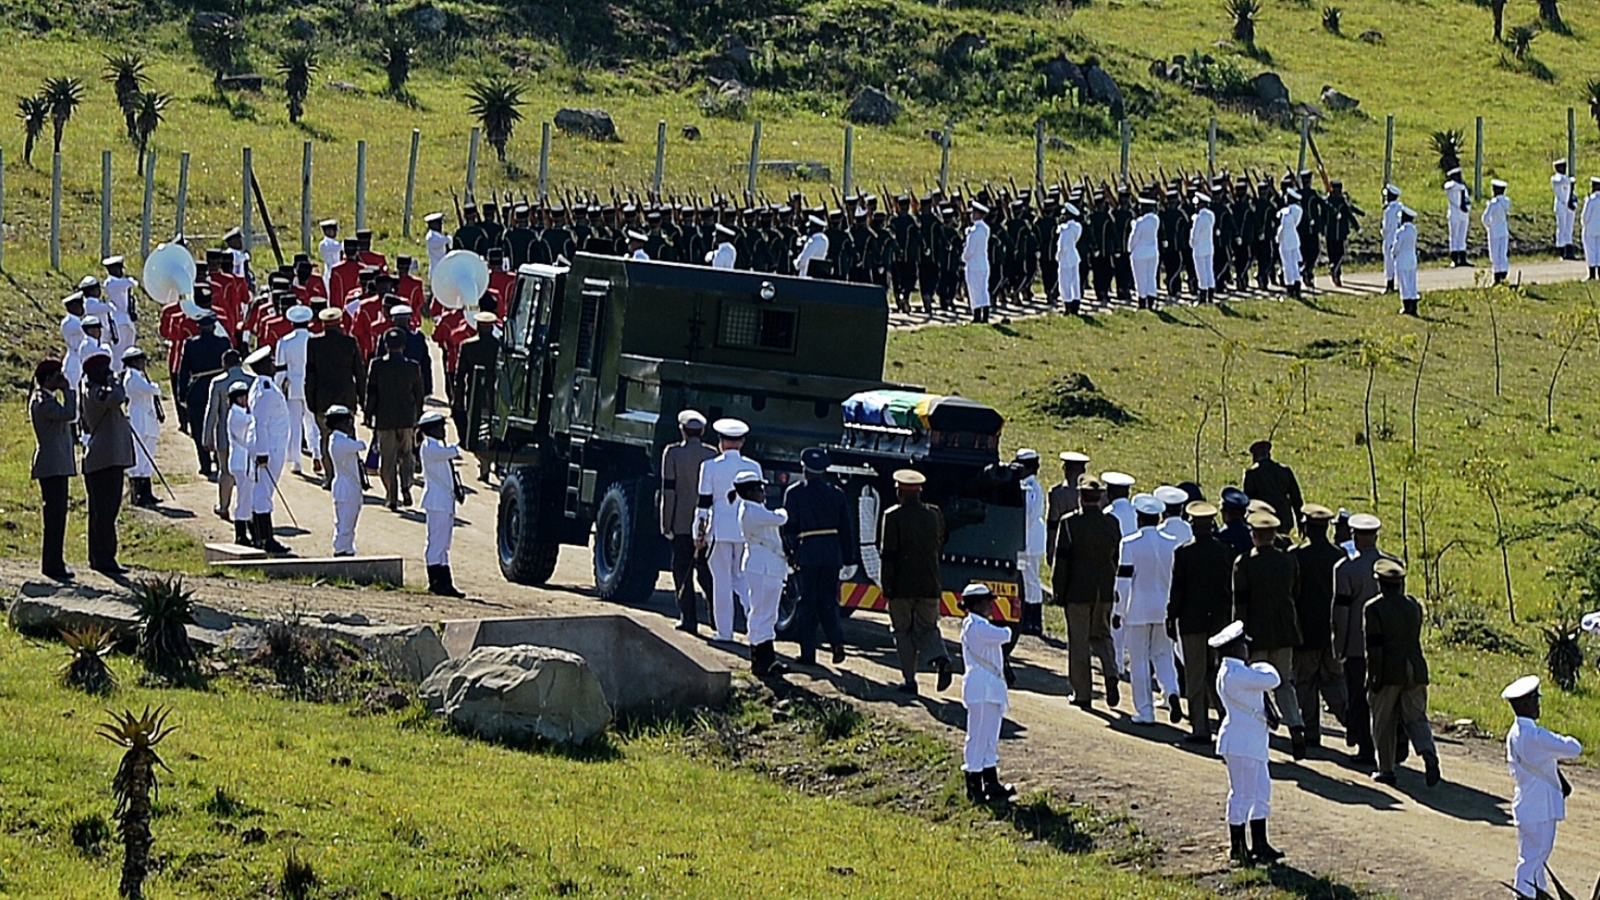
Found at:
(1298, 372)
(394, 807)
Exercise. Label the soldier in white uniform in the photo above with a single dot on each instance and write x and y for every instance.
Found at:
(345, 452)
(1391, 221)
(1031, 558)
(269, 445)
(290, 355)
(725, 254)
(1497, 222)
(983, 693)
(1565, 204)
(1068, 280)
(1118, 486)
(1591, 229)
(1242, 743)
(975, 258)
(91, 344)
(1144, 252)
(241, 461)
(94, 304)
(144, 417)
(765, 569)
(716, 523)
(1173, 501)
(72, 338)
(439, 499)
(119, 294)
(814, 247)
(436, 242)
(1540, 799)
(330, 248)
(636, 242)
(1289, 241)
(1458, 206)
(1144, 585)
(1403, 249)
(1202, 245)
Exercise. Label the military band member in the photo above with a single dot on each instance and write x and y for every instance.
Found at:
(716, 524)
(1533, 753)
(439, 498)
(118, 289)
(909, 543)
(984, 694)
(1497, 222)
(1242, 743)
(680, 468)
(820, 535)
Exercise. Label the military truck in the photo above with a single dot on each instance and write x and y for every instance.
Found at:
(597, 360)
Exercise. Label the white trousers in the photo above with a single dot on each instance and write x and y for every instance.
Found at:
(1388, 258)
(266, 478)
(1205, 271)
(303, 426)
(142, 466)
(345, 514)
(1499, 253)
(1249, 789)
(242, 494)
(1144, 275)
(1069, 283)
(1289, 258)
(1458, 232)
(1406, 279)
(1028, 565)
(1564, 220)
(1591, 250)
(441, 527)
(1119, 647)
(761, 606)
(726, 561)
(1148, 645)
(978, 286)
(1535, 840)
(982, 748)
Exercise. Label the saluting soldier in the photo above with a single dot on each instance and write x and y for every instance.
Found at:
(1083, 580)
(680, 468)
(1565, 189)
(1066, 282)
(909, 544)
(1202, 245)
(1497, 222)
(1458, 206)
(1265, 583)
(1318, 671)
(1397, 672)
(1404, 251)
(1243, 742)
(1534, 753)
(1144, 252)
(820, 537)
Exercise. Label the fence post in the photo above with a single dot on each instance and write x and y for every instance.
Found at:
(411, 183)
(661, 156)
(105, 203)
(944, 157)
(472, 164)
(305, 198)
(1477, 162)
(1305, 138)
(755, 159)
(1038, 157)
(361, 184)
(1572, 142)
(55, 213)
(1211, 149)
(2, 210)
(149, 208)
(246, 220)
(183, 193)
(544, 161)
(1127, 139)
(1388, 150)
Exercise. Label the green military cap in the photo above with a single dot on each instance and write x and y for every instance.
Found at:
(1087, 482)
(1262, 520)
(1200, 509)
(1387, 569)
(1316, 512)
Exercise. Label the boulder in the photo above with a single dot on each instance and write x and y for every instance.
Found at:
(1336, 100)
(794, 168)
(691, 133)
(407, 652)
(965, 44)
(345, 87)
(250, 81)
(1056, 142)
(210, 19)
(872, 107)
(1061, 74)
(737, 52)
(1269, 88)
(519, 694)
(47, 608)
(429, 20)
(1102, 88)
(301, 29)
(590, 123)
(1372, 36)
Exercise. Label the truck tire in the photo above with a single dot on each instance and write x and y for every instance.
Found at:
(524, 543)
(627, 549)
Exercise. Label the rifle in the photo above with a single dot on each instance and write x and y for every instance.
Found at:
(1316, 154)
(460, 219)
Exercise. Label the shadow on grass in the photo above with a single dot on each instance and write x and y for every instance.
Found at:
(1037, 820)
(1299, 883)
(314, 132)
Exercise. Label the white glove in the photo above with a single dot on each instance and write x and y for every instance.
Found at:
(847, 572)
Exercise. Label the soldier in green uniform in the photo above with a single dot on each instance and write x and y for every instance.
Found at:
(881, 250)
(841, 257)
(1044, 241)
(929, 250)
(1172, 235)
(1083, 580)
(470, 235)
(1265, 583)
(1312, 225)
(1245, 223)
(1096, 248)
(1397, 672)
(656, 243)
(1116, 242)
(1201, 605)
(1342, 217)
(950, 256)
(1265, 213)
(1017, 282)
(903, 267)
(1318, 671)
(909, 545)
(1271, 481)
(557, 238)
(520, 237)
(493, 232)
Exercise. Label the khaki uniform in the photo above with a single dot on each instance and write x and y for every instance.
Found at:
(1265, 583)
(1062, 500)
(680, 478)
(1397, 675)
(1353, 585)
(909, 544)
(1200, 606)
(1084, 579)
(1318, 671)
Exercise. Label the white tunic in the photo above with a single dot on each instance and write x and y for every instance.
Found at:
(269, 417)
(1202, 230)
(975, 252)
(1531, 753)
(331, 249)
(142, 395)
(1458, 198)
(290, 356)
(1244, 722)
(1179, 530)
(1403, 247)
(1289, 227)
(438, 244)
(1122, 510)
(1591, 215)
(440, 494)
(346, 452)
(1144, 576)
(763, 544)
(240, 260)
(240, 457)
(723, 257)
(118, 290)
(1562, 185)
(1144, 237)
(1068, 234)
(1033, 515)
(815, 248)
(716, 480)
(1496, 214)
(983, 661)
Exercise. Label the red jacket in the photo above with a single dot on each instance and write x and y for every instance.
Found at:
(370, 258)
(344, 278)
(176, 327)
(410, 290)
(313, 288)
(273, 326)
(502, 284)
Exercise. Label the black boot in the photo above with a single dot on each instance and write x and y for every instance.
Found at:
(1238, 852)
(993, 789)
(773, 666)
(1032, 619)
(440, 582)
(269, 543)
(1260, 850)
(241, 534)
(1388, 286)
(254, 526)
(974, 786)
(942, 664)
(838, 654)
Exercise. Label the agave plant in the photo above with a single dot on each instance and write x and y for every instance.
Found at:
(135, 787)
(1332, 19)
(296, 65)
(126, 75)
(1243, 13)
(497, 104)
(34, 112)
(147, 118)
(1563, 655)
(1521, 38)
(165, 607)
(218, 43)
(87, 670)
(1447, 144)
(395, 55)
(63, 95)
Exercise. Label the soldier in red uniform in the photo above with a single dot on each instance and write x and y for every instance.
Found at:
(308, 286)
(368, 257)
(408, 286)
(346, 276)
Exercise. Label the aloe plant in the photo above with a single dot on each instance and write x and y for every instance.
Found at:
(87, 670)
(165, 608)
(135, 788)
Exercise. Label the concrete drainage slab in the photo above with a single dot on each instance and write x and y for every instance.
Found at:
(643, 672)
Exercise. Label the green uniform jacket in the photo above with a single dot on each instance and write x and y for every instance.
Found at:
(909, 544)
(1201, 601)
(1274, 482)
(1394, 641)
(1265, 582)
(1088, 546)
(1314, 602)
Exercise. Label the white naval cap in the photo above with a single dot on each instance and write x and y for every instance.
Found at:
(238, 387)
(338, 409)
(1455, 171)
(976, 589)
(428, 418)
(433, 217)
(298, 314)
(1498, 183)
(331, 314)
(1233, 631)
(90, 322)
(1171, 496)
(636, 236)
(1148, 504)
(979, 207)
(483, 316)
(730, 428)
(110, 261)
(1292, 194)
(260, 354)
(1026, 454)
(1558, 163)
(1071, 210)
(88, 281)
(1202, 198)
(132, 353)
(1365, 522)
(691, 417)
(817, 220)
(75, 295)
(1393, 189)
(748, 477)
(1073, 456)
(1117, 479)
(403, 310)
(723, 229)
(1590, 623)
(1407, 211)
(329, 223)
(1522, 687)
